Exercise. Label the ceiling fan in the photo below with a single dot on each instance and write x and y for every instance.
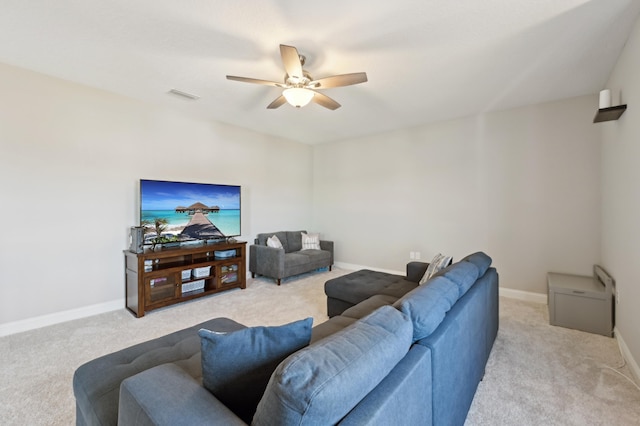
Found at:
(299, 87)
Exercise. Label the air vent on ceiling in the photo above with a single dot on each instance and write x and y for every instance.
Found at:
(184, 94)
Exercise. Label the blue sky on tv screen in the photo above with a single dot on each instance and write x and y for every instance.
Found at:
(161, 195)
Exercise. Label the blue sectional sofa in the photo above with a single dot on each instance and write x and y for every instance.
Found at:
(412, 358)
(455, 316)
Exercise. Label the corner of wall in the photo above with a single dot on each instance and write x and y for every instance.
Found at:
(626, 354)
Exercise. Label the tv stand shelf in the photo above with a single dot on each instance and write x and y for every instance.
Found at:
(163, 277)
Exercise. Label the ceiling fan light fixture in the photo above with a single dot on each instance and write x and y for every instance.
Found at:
(298, 96)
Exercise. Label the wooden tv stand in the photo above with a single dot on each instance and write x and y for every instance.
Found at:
(163, 277)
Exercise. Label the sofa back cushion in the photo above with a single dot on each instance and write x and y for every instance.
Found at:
(428, 304)
(291, 240)
(481, 260)
(261, 239)
(294, 240)
(321, 383)
(463, 274)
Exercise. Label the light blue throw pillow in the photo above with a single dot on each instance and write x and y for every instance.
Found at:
(320, 384)
(236, 366)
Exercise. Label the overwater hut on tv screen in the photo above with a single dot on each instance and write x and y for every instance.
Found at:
(185, 211)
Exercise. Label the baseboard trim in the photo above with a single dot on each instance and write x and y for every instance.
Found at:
(505, 292)
(58, 317)
(354, 267)
(626, 354)
(523, 295)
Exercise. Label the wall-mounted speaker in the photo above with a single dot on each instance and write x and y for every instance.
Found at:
(136, 239)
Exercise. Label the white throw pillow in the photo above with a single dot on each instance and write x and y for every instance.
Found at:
(439, 262)
(274, 242)
(310, 241)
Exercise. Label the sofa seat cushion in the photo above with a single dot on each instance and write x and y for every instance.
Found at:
(332, 326)
(292, 260)
(360, 285)
(369, 305)
(321, 383)
(236, 365)
(428, 304)
(96, 384)
(316, 256)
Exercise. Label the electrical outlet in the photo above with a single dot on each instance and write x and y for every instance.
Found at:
(412, 255)
(417, 255)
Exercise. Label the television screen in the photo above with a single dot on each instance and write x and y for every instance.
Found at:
(181, 211)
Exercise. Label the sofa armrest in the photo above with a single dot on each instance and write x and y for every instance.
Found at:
(267, 261)
(328, 246)
(415, 271)
(167, 395)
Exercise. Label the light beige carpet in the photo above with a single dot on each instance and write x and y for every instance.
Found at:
(537, 374)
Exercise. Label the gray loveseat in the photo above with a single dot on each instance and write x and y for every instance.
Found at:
(291, 259)
(413, 359)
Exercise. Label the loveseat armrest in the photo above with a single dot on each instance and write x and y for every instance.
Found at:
(328, 246)
(267, 261)
(415, 271)
(167, 395)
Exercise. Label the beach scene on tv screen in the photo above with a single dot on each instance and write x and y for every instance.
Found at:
(183, 211)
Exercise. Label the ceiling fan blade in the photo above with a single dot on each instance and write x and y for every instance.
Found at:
(281, 100)
(255, 81)
(291, 61)
(339, 80)
(325, 101)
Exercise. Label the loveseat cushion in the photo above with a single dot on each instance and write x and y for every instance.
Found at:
(428, 304)
(315, 256)
(320, 384)
(293, 260)
(236, 366)
(294, 240)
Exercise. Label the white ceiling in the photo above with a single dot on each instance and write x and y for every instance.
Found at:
(427, 60)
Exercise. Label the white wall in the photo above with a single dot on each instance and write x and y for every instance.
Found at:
(621, 195)
(521, 185)
(70, 161)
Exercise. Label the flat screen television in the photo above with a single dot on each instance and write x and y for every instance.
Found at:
(183, 211)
